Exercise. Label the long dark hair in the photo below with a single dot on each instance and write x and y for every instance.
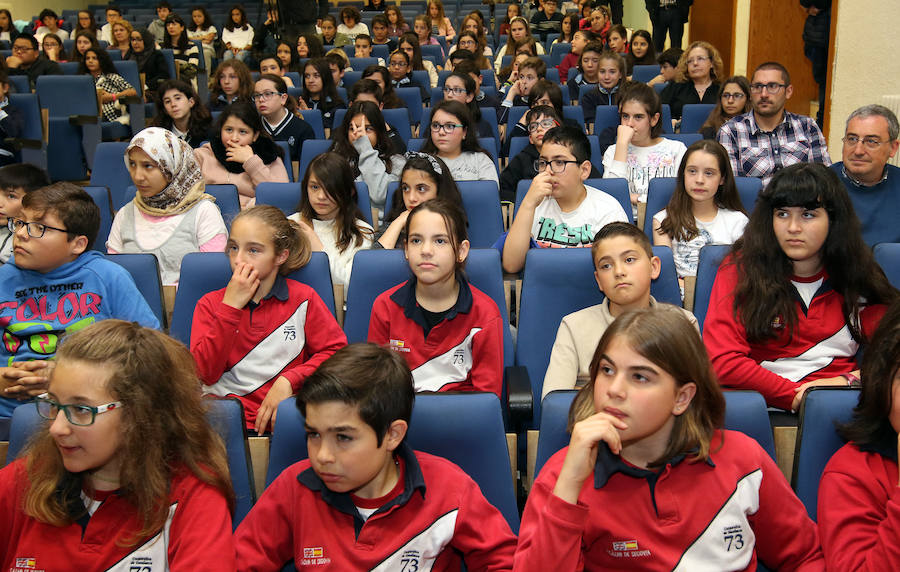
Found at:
(200, 119)
(428, 164)
(182, 43)
(717, 116)
(871, 423)
(383, 144)
(106, 65)
(412, 39)
(229, 22)
(328, 87)
(290, 104)
(334, 173)
(455, 221)
(649, 58)
(92, 27)
(313, 44)
(763, 294)
(389, 97)
(469, 82)
(206, 19)
(461, 112)
(680, 223)
(245, 80)
(77, 56)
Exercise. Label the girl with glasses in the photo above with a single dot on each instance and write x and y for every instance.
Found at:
(452, 136)
(281, 117)
(734, 99)
(126, 463)
(461, 87)
(400, 68)
(151, 62)
(52, 47)
(363, 139)
(697, 78)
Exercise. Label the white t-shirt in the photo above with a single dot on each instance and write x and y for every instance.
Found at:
(43, 31)
(198, 33)
(643, 164)
(553, 228)
(472, 166)
(238, 38)
(341, 263)
(727, 227)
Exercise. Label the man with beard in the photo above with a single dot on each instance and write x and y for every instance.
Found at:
(768, 138)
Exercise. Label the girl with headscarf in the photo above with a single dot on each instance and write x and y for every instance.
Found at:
(171, 214)
(150, 61)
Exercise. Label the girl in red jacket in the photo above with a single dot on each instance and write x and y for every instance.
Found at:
(263, 334)
(648, 481)
(450, 333)
(799, 293)
(125, 473)
(859, 494)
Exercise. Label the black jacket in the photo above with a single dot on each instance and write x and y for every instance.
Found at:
(41, 66)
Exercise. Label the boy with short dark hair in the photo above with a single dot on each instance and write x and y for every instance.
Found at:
(469, 67)
(546, 20)
(337, 64)
(624, 267)
(559, 211)
(588, 69)
(364, 499)
(113, 15)
(54, 285)
(16, 181)
(381, 34)
(668, 62)
(362, 46)
(158, 26)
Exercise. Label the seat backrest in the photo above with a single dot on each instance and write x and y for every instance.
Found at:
(478, 443)
(400, 120)
(227, 200)
(574, 112)
(24, 424)
(20, 84)
(435, 51)
(817, 438)
(111, 172)
(204, 272)
(666, 118)
(170, 61)
(711, 257)
(644, 73)
(605, 116)
(128, 69)
(287, 159)
(351, 77)
(557, 282)
(687, 138)
(312, 148)
(693, 116)
(659, 192)
(30, 107)
(412, 97)
(887, 255)
(144, 269)
(745, 411)
(285, 196)
(616, 188)
(226, 416)
(314, 118)
(64, 95)
(748, 189)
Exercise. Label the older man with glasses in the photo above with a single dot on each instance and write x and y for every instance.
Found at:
(870, 141)
(768, 138)
(27, 60)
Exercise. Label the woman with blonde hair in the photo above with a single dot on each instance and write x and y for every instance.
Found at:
(697, 78)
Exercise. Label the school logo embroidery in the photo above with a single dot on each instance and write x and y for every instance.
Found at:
(459, 357)
(733, 537)
(627, 549)
(290, 333)
(399, 346)
(314, 556)
(409, 561)
(141, 564)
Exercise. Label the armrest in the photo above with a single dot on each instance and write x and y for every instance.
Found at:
(520, 401)
(84, 119)
(19, 144)
(130, 99)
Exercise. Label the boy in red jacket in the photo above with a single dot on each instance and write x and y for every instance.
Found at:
(364, 499)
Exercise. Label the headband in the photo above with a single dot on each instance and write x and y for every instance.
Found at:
(434, 162)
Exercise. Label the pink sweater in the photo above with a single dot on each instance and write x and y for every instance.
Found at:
(255, 172)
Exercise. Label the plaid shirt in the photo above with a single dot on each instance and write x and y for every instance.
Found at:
(757, 153)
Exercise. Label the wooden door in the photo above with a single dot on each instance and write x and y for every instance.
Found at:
(713, 21)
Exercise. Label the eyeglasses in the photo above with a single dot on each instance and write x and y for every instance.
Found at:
(137, 39)
(697, 60)
(444, 127)
(265, 96)
(81, 415)
(21, 49)
(34, 229)
(454, 90)
(545, 123)
(399, 64)
(771, 87)
(735, 96)
(868, 142)
(557, 166)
